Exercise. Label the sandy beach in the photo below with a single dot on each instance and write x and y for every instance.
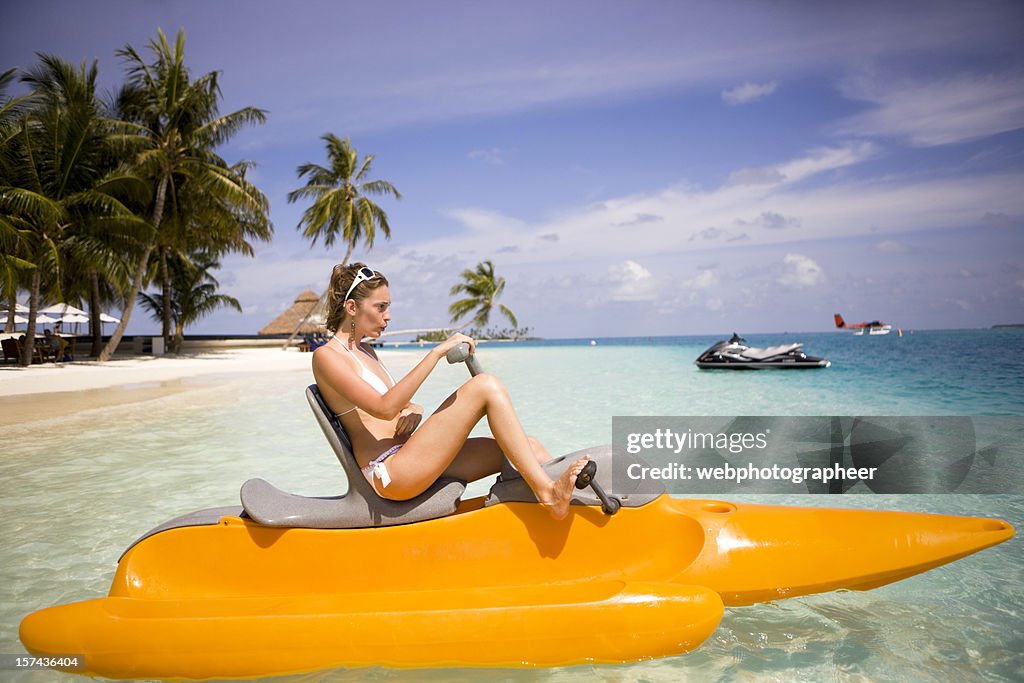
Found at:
(53, 390)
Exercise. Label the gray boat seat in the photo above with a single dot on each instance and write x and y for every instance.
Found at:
(358, 508)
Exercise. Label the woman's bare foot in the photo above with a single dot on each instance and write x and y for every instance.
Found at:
(560, 494)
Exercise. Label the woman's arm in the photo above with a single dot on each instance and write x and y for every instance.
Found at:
(387, 406)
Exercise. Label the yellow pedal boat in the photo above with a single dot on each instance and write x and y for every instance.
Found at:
(280, 585)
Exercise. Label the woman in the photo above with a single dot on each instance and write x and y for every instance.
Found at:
(399, 460)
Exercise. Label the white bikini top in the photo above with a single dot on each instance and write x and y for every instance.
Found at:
(368, 376)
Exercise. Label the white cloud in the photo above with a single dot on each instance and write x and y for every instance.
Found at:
(937, 112)
(633, 282)
(495, 156)
(770, 220)
(892, 247)
(755, 176)
(748, 92)
(486, 222)
(961, 303)
(642, 218)
(815, 161)
(714, 304)
(586, 238)
(705, 279)
(693, 218)
(801, 271)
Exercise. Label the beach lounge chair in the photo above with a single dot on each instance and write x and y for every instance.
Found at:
(15, 350)
(10, 347)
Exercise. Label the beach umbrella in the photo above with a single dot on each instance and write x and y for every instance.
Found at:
(75, 318)
(62, 310)
(18, 319)
(104, 318)
(41, 318)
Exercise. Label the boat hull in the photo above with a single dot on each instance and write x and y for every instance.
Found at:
(563, 624)
(804, 364)
(239, 599)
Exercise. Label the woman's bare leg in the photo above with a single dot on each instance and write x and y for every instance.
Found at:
(434, 446)
(482, 456)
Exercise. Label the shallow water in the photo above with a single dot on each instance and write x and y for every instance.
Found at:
(75, 492)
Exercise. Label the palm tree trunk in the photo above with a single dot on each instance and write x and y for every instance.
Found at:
(33, 310)
(179, 338)
(140, 273)
(12, 304)
(129, 306)
(165, 313)
(95, 326)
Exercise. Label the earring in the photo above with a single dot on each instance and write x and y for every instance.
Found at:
(352, 334)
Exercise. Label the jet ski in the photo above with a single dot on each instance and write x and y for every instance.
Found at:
(287, 584)
(736, 355)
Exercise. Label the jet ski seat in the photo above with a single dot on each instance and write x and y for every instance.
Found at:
(358, 508)
(770, 352)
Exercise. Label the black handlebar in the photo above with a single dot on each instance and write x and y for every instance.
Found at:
(460, 353)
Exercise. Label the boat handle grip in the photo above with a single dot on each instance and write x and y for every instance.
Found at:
(460, 353)
(588, 477)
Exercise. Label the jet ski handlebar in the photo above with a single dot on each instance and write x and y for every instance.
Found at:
(588, 477)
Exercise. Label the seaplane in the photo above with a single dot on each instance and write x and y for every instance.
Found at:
(873, 327)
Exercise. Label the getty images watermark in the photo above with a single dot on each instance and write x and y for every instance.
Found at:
(703, 455)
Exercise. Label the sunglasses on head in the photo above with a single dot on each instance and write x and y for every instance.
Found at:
(362, 276)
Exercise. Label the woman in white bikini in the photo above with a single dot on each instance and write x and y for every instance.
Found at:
(399, 460)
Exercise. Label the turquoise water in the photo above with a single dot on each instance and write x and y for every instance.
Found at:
(76, 491)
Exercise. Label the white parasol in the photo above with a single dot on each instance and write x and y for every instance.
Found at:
(75, 318)
(63, 309)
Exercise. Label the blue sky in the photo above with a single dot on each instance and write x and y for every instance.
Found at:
(632, 168)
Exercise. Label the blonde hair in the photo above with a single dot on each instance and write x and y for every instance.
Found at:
(341, 279)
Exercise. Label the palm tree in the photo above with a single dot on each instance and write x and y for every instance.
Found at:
(179, 127)
(193, 294)
(340, 206)
(54, 172)
(483, 288)
(13, 268)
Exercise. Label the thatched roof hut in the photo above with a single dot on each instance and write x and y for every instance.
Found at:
(286, 323)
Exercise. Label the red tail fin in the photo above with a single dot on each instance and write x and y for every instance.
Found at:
(840, 323)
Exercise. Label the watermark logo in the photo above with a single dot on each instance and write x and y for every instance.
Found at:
(712, 455)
